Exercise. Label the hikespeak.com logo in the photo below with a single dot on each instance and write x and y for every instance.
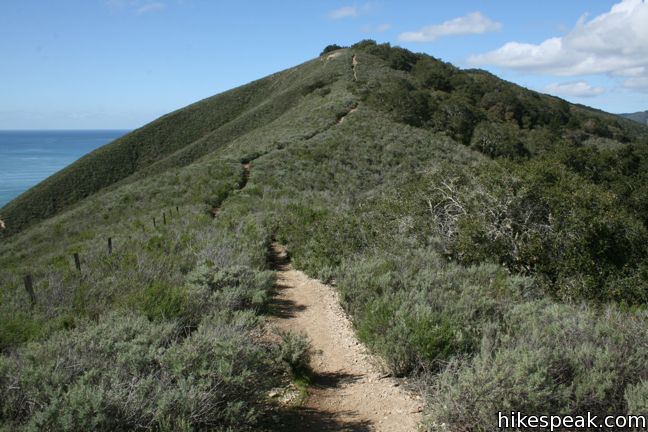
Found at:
(518, 420)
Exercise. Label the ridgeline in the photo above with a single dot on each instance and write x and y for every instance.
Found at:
(488, 242)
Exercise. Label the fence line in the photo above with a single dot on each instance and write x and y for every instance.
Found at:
(28, 279)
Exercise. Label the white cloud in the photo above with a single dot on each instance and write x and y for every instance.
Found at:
(344, 12)
(137, 6)
(580, 89)
(376, 29)
(614, 43)
(351, 11)
(383, 27)
(151, 7)
(473, 23)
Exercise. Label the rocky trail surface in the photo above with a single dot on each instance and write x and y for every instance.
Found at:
(348, 392)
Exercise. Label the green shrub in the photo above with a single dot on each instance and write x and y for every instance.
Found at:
(419, 312)
(127, 373)
(294, 352)
(160, 301)
(636, 397)
(230, 289)
(549, 358)
(17, 328)
(498, 140)
(457, 117)
(541, 219)
(410, 337)
(433, 74)
(396, 57)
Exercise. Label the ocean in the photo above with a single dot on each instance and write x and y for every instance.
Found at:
(27, 157)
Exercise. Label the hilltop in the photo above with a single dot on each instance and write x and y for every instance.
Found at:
(411, 89)
(487, 241)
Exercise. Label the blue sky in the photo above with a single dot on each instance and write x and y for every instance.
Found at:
(84, 64)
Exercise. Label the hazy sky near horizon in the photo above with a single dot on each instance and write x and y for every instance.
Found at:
(115, 64)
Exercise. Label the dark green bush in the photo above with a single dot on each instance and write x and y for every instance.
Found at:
(396, 57)
(330, 48)
(161, 301)
(18, 328)
(433, 74)
(498, 140)
(457, 117)
(407, 105)
(546, 221)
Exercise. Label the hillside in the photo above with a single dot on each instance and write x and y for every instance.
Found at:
(489, 243)
(174, 140)
(641, 117)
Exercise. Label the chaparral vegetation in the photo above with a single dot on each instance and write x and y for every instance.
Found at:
(487, 240)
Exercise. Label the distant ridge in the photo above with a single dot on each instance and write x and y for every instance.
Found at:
(641, 116)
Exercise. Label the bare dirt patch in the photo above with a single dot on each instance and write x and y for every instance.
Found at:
(333, 55)
(352, 110)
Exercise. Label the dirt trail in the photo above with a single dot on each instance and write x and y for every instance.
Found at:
(246, 174)
(354, 64)
(246, 177)
(348, 393)
(333, 55)
(352, 110)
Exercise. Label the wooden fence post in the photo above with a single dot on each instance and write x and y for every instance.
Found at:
(164, 218)
(154, 225)
(110, 245)
(29, 286)
(77, 261)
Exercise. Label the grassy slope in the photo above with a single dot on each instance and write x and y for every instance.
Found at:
(443, 293)
(174, 140)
